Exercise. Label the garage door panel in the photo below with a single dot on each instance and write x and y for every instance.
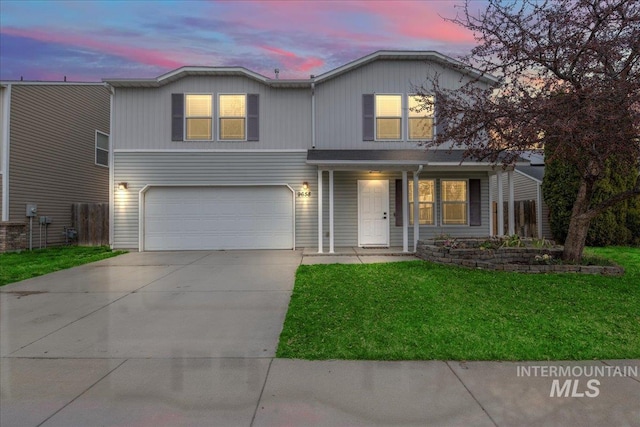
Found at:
(256, 217)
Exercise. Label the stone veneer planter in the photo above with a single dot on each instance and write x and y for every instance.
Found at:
(520, 259)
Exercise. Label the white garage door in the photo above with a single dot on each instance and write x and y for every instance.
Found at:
(183, 218)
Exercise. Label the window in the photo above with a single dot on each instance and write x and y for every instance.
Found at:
(102, 149)
(233, 111)
(198, 117)
(388, 117)
(426, 193)
(454, 202)
(420, 117)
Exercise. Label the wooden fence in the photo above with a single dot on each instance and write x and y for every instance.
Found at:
(525, 214)
(91, 221)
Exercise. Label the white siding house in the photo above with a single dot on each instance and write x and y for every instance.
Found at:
(224, 158)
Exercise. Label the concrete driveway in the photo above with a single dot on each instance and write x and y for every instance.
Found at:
(166, 338)
(189, 338)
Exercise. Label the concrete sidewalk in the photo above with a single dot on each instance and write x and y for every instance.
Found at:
(189, 338)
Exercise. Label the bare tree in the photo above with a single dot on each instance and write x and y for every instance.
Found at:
(569, 72)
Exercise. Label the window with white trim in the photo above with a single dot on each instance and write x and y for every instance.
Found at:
(232, 110)
(426, 200)
(420, 120)
(198, 117)
(102, 149)
(388, 110)
(454, 201)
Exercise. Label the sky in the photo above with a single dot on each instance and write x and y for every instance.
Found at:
(92, 40)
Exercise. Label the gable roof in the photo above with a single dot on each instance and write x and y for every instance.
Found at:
(182, 72)
(534, 172)
(423, 55)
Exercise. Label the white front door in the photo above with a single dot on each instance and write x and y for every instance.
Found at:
(373, 213)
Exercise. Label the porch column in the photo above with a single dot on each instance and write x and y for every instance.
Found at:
(512, 215)
(416, 211)
(319, 211)
(405, 213)
(491, 195)
(539, 209)
(331, 212)
(500, 202)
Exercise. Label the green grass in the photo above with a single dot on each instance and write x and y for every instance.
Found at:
(418, 311)
(16, 266)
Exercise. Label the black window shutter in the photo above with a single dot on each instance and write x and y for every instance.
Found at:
(399, 207)
(177, 116)
(253, 119)
(475, 202)
(368, 118)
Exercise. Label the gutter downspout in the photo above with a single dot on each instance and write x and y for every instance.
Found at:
(111, 168)
(416, 208)
(4, 146)
(313, 114)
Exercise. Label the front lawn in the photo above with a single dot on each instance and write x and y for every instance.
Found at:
(16, 266)
(417, 310)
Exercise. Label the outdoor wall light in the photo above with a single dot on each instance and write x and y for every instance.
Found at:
(123, 186)
(305, 186)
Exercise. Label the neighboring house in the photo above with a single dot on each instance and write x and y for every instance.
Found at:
(225, 158)
(54, 151)
(531, 212)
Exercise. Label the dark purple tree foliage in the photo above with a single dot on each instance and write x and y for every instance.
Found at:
(569, 73)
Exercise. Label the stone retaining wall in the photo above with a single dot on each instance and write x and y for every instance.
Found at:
(519, 259)
(13, 236)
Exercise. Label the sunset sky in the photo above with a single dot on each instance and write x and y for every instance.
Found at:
(92, 40)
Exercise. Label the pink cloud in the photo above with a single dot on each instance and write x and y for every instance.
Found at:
(419, 20)
(293, 62)
(144, 56)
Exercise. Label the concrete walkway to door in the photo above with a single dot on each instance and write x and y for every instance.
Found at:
(189, 338)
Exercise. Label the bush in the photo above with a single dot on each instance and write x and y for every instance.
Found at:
(618, 225)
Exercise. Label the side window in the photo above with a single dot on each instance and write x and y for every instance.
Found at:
(454, 202)
(420, 113)
(388, 110)
(198, 118)
(102, 149)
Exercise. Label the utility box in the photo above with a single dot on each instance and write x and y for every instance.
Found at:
(32, 210)
(46, 220)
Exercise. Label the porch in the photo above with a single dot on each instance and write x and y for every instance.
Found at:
(346, 181)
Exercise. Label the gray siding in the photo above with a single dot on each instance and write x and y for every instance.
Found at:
(142, 117)
(1, 198)
(52, 151)
(207, 168)
(524, 188)
(339, 100)
(346, 207)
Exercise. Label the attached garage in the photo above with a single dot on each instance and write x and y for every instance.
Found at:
(217, 217)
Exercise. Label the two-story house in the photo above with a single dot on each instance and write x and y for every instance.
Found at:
(54, 152)
(225, 158)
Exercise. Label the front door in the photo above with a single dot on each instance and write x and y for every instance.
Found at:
(373, 213)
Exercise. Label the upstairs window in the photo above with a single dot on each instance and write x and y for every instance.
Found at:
(420, 117)
(233, 112)
(388, 117)
(192, 117)
(102, 149)
(454, 202)
(198, 117)
(427, 197)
